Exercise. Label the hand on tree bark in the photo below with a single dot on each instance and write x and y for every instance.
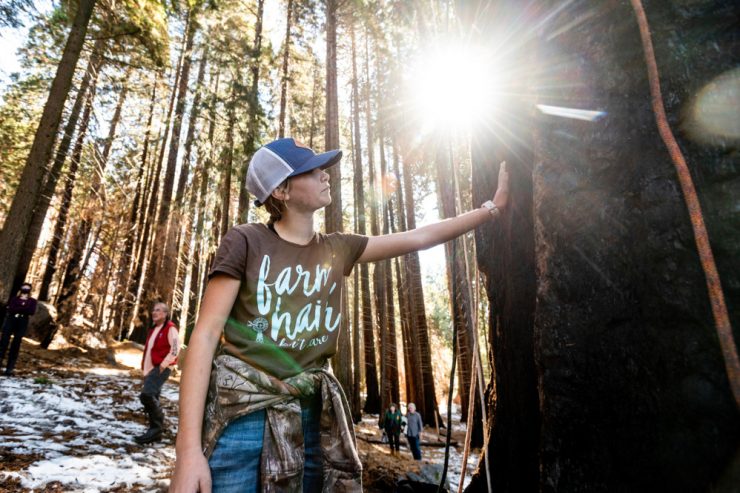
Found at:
(501, 199)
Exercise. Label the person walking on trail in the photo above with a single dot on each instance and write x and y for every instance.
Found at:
(160, 353)
(414, 426)
(20, 308)
(392, 427)
(260, 410)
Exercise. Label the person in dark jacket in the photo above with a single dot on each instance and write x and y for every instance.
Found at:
(392, 427)
(160, 352)
(413, 430)
(20, 308)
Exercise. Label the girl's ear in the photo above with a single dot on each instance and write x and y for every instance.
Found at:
(280, 193)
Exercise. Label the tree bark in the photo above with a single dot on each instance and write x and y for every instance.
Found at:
(285, 74)
(124, 297)
(18, 220)
(372, 400)
(52, 177)
(227, 163)
(184, 232)
(85, 93)
(255, 111)
(68, 285)
(461, 304)
(164, 257)
(427, 406)
(392, 351)
(333, 213)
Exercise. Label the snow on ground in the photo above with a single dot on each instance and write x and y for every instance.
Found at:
(71, 429)
(76, 427)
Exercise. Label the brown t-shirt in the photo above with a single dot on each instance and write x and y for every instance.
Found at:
(287, 314)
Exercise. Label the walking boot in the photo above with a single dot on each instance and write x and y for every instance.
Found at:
(156, 420)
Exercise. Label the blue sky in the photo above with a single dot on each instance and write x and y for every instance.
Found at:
(12, 39)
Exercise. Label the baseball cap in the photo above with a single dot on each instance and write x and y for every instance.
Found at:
(281, 159)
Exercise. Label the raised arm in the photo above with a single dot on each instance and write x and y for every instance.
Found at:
(191, 468)
(393, 245)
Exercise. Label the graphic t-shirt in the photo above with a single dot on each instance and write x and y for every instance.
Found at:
(287, 314)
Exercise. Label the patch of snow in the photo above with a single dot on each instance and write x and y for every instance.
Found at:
(75, 424)
(91, 472)
(107, 371)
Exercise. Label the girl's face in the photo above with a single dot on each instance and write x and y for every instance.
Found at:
(309, 191)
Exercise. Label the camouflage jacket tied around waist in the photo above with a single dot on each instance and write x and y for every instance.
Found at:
(237, 388)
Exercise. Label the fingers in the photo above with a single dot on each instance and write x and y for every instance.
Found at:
(204, 486)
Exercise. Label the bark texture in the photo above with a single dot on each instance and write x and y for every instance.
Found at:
(617, 382)
(18, 221)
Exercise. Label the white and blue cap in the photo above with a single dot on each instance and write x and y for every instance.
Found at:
(281, 159)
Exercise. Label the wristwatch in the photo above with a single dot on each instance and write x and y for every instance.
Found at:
(492, 209)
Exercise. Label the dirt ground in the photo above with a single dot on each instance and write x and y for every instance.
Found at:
(109, 378)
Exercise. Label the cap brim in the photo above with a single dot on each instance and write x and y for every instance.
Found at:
(323, 160)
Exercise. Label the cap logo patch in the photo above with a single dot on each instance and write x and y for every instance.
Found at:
(298, 143)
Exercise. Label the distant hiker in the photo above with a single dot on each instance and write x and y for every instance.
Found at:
(413, 430)
(392, 427)
(160, 352)
(260, 409)
(21, 307)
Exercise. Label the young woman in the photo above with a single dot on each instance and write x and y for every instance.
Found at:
(259, 409)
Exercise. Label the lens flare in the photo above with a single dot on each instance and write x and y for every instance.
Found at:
(453, 86)
(714, 114)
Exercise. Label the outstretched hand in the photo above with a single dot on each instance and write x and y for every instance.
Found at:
(501, 199)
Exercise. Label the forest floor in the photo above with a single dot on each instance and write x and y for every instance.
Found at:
(69, 415)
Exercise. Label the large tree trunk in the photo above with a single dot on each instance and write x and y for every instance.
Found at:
(124, 298)
(427, 406)
(372, 400)
(284, 79)
(458, 281)
(255, 111)
(145, 279)
(192, 125)
(18, 220)
(227, 162)
(103, 268)
(411, 359)
(185, 259)
(164, 257)
(200, 179)
(603, 338)
(333, 213)
(197, 281)
(390, 351)
(68, 284)
(342, 360)
(44, 199)
(85, 93)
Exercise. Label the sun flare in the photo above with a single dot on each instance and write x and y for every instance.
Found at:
(453, 87)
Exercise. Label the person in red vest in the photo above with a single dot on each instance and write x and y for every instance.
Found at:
(160, 352)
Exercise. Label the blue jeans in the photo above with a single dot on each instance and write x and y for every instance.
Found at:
(414, 446)
(235, 461)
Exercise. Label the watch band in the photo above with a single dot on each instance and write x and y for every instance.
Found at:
(492, 209)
